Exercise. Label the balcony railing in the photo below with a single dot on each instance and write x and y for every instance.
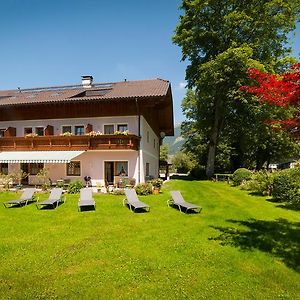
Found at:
(78, 142)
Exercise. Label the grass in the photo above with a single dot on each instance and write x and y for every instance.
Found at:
(239, 247)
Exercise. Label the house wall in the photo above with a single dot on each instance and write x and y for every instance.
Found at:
(92, 162)
(98, 123)
(149, 151)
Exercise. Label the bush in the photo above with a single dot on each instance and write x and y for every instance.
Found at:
(75, 186)
(240, 176)
(144, 189)
(262, 183)
(156, 183)
(286, 185)
(182, 162)
(198, 172)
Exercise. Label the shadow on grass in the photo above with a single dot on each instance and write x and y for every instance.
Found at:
(138, 210)
(279, 238)
(184, 210)
(87, 208)
(50, 206)
(285, 205)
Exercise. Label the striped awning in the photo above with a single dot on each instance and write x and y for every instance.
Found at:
(54, 157)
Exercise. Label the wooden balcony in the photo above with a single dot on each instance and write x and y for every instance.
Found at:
(79, 142)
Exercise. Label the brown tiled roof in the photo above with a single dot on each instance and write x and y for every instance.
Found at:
(116, 90)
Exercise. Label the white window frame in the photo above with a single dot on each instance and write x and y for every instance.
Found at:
(66, 169)
(35, 128)
(61, 128)
(119, 124)
(27, 127)
(109, 124)
(77, 125)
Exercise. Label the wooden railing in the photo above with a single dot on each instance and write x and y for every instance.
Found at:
(79, 142)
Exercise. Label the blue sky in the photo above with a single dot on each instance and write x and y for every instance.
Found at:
(54, 42)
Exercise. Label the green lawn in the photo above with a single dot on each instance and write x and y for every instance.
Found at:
(238, 247)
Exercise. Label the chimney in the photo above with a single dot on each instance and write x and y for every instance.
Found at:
(87, 81)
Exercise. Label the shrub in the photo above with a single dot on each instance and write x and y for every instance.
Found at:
(198, 172)
(241, 175)
(144, 189)
(262, 182)
(75, 186)
(286, 185)
(156, 183)
(182, 162)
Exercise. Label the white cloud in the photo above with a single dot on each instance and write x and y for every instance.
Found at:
(181, 85)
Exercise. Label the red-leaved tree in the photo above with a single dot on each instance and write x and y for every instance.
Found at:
(279, 90)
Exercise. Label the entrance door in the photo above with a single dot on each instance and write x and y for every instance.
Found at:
(109, 172)
(25, 168)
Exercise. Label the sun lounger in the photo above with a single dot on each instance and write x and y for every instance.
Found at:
(54, 199)
(86, 199)
(26, 197)
(133, 201)
(177, 200)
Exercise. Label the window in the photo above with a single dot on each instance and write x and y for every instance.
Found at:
(79, 130)
(122, 127)
(27, 130)
(73, 168)
(4, 168)
(39, 131)
(109, 129)
(154, 142)
(121, 168)
(34, 168)
(65, 129)
(2, 132)
(148, 137)
(147, 169)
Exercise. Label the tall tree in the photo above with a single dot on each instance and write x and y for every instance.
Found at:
(221, 39)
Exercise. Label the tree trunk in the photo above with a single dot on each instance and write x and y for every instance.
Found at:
(213, 140)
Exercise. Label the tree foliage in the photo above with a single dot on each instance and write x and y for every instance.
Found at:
(282, 90)
(221, 40)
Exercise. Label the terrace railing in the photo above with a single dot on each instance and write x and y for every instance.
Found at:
(77, 142)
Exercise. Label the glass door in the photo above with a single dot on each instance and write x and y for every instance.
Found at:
(109, 172)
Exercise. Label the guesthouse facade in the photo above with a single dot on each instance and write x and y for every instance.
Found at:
(99, 130)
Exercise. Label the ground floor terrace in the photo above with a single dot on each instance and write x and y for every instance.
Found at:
(103, 168)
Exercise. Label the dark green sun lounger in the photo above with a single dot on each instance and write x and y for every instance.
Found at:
(26, 197)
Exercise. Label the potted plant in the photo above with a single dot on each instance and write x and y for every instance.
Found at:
(156, 183)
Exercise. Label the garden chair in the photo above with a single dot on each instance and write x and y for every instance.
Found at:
(133, 201)
(86, 199)
(54, 199)
(178, 201)
(27, 196)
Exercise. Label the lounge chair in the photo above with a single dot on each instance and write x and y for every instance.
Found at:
(177, 200)
(133, 201)
(26, 197)
(86, 199)
(54, 199)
